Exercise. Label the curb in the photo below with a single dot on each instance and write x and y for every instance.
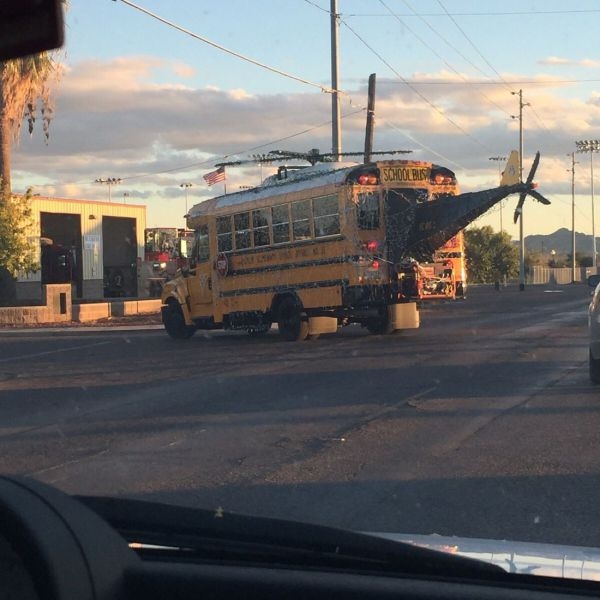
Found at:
(78, 329)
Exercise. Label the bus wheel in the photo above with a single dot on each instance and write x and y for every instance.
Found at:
(289, 320)
(380, 325)
(174, 323)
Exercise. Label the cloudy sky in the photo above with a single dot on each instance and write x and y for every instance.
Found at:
(154, 104)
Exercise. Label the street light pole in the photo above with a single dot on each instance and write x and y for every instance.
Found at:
(186, 187)
(573, 249)
(521, 235)
(109, 182)
(499, 160)
(591, 146)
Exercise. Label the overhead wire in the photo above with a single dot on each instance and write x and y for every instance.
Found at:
(395, 15)
(213, 159)
(245, 151)
(412, 87)
(489, 14)
(509, 82)
(257, 63)
(487, 62)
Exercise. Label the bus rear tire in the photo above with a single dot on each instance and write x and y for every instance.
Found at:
(174, 322)
(380, 325)
(292, 326)
(594, 369)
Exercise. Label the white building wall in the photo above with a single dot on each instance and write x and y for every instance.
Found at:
(92, 213)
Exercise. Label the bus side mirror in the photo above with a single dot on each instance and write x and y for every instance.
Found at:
(29, 27)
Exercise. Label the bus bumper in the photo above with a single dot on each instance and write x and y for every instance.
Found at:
(404, 316)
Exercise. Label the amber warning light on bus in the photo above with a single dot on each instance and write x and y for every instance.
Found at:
(442, 176)
(368, 179)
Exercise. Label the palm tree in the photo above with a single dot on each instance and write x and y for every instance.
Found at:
(23, 84)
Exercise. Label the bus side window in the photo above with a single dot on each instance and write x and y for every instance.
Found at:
(326, 215)
(367, 210)
(201, 250)
(281, 223)
(301, 220)
(260, 226)
(241, 223)
(224, 235)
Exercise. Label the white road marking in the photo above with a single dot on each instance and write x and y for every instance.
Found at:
(56, 351)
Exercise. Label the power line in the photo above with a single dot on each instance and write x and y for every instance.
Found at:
(414, 90)
(421, 144)
(325, 10)
(437, 54)
(211, 161)
(487, 62)
(227, 50)
(487, 14)
(503, 82)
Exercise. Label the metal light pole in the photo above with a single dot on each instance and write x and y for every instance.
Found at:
(499, 160)
(573, 249)
(109, 182)
(591, 146)
(521, 236)
(186, 187)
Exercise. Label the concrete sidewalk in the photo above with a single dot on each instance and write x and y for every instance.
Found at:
(137, 322)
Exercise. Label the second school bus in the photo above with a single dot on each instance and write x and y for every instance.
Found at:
(310, 249)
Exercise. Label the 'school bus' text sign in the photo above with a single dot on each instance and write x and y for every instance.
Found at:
(405, 175)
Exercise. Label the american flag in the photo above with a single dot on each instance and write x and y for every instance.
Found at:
(215, 176)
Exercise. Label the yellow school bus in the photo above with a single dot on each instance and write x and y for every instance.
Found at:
(309, 249)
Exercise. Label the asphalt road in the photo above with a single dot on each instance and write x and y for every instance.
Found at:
(481, 423)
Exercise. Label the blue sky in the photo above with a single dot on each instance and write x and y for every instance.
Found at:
(141, 101)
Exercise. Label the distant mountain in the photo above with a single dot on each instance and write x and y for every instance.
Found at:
(561, 242)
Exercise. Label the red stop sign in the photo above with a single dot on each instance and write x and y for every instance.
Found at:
(222, 264)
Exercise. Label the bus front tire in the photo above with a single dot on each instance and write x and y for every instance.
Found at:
(174, 322)
(292, 326)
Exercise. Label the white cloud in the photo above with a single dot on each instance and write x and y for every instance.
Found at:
(561, 61)
(119, 119)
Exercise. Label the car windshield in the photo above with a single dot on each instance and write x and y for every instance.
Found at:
(322, 260)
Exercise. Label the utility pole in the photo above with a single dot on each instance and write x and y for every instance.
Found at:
(336, 133)
(573, 249)
(370, 119)
(591, 146)
(521, 236)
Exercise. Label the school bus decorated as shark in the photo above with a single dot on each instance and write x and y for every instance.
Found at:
(320, 247)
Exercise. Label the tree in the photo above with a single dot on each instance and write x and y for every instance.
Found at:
(490, 256)
(23, 84)
(581, 260)
(17, 252)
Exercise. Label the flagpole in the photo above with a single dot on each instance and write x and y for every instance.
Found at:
(224, 182)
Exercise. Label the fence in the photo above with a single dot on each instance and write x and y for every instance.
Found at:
(558, 276)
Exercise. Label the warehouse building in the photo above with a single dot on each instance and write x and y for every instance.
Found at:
(95, 246)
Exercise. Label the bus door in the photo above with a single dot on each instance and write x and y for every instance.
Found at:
(200, 280)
